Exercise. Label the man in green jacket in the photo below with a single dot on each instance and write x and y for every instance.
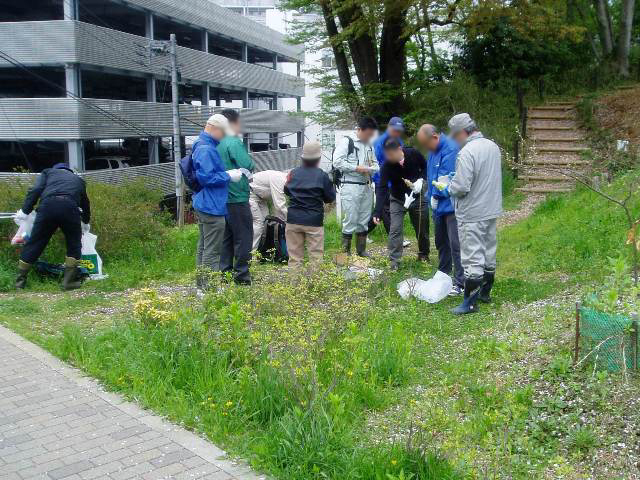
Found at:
(238, 234)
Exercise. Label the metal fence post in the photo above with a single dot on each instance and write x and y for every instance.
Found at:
(634, 340)
(576, 350)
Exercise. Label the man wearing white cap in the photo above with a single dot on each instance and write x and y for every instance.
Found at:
(476, 189)
(210, 203)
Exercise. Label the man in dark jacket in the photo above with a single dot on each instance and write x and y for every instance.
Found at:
(403, 164)
(395, 129)
(308, 189)
(64, 204)
(442, 164)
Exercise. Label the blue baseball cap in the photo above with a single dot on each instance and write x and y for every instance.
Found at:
(396, 123)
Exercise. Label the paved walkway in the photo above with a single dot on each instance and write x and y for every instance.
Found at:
(56, 424)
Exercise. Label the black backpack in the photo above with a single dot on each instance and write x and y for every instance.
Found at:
(336, 175)
(273, 244)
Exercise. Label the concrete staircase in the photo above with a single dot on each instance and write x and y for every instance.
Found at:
(554, 146)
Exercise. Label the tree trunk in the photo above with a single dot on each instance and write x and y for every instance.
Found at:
(624, 38)
(605, 29)
(362, 46)
(393, 61)
(342, 64)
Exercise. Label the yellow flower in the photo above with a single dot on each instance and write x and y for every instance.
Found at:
(394, 462)
(228, 404)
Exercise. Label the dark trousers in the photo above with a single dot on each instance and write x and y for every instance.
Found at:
(237, 242)
(53, 213)
(419, 216)
(448, 245)
(386, 216)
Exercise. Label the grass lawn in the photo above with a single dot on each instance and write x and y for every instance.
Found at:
(317, 376)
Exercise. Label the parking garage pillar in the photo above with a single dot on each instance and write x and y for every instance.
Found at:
(300, 135)
(74, 150)
(275, 61)
(245, 52)
(153, 143)
(206, 94)
(149, 25)
(70, 9)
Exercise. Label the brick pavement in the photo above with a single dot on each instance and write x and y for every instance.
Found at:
(57, 424)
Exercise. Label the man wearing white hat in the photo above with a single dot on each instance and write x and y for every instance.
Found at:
(210, 203)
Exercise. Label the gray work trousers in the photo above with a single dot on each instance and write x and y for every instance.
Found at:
(419, 216)
(478, 247)
(210, 240)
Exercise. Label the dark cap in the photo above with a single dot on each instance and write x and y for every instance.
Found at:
(396, 123)
(391, 144)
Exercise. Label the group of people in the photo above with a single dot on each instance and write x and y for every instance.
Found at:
(379, 181)
(459, 181)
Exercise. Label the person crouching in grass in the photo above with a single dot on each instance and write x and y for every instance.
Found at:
(308, 189)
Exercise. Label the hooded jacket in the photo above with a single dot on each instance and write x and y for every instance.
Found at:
(62, 182)
(213, 178)
(378, 150)
(441, 163)
(476, 187)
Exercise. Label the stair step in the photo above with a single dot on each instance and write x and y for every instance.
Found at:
(549, 170)
(551, 178)
(527, 189)
(540, 144)
(560, 162)
(551, 127)
(561, 102)
(562, 149)
(552, 123)
(549, 116)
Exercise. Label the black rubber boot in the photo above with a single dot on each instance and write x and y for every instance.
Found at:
(471, 293)
(361, 244)
(23, 272)
(70, 281)
(487, 284)
(346, 243)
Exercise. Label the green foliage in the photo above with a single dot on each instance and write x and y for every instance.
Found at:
(130, 227)
(618, 293)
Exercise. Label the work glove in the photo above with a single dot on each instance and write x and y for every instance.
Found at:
(235, 175)
(434, 203)
(443, 188)
(21, 216)
(85, 227)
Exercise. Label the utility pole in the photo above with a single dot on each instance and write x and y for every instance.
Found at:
(177, 140)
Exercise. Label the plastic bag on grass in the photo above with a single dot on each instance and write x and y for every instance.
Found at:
(24, 229)
(90, 258)
(432, 290)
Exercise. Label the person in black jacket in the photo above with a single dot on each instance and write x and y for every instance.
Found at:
(403, 163)
(63, 204)
(308, 189)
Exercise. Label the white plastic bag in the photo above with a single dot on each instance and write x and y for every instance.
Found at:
(24, 229)
(90, 258)
(432, 290)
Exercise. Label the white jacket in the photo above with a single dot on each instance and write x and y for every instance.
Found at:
(362, 155)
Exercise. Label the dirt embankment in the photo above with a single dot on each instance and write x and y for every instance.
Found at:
(620, 113)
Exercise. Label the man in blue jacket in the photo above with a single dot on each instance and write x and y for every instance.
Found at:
(210, 203)
(395, 129)
(442, 162)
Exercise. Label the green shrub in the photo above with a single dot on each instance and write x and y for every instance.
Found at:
(126, 219)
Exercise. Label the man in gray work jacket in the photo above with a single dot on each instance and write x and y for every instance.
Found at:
(476, 189)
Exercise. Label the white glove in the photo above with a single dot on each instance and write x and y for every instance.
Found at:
(21, 216)
(434, 203)
(235, 174)
(85, 227)
(417, 186)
